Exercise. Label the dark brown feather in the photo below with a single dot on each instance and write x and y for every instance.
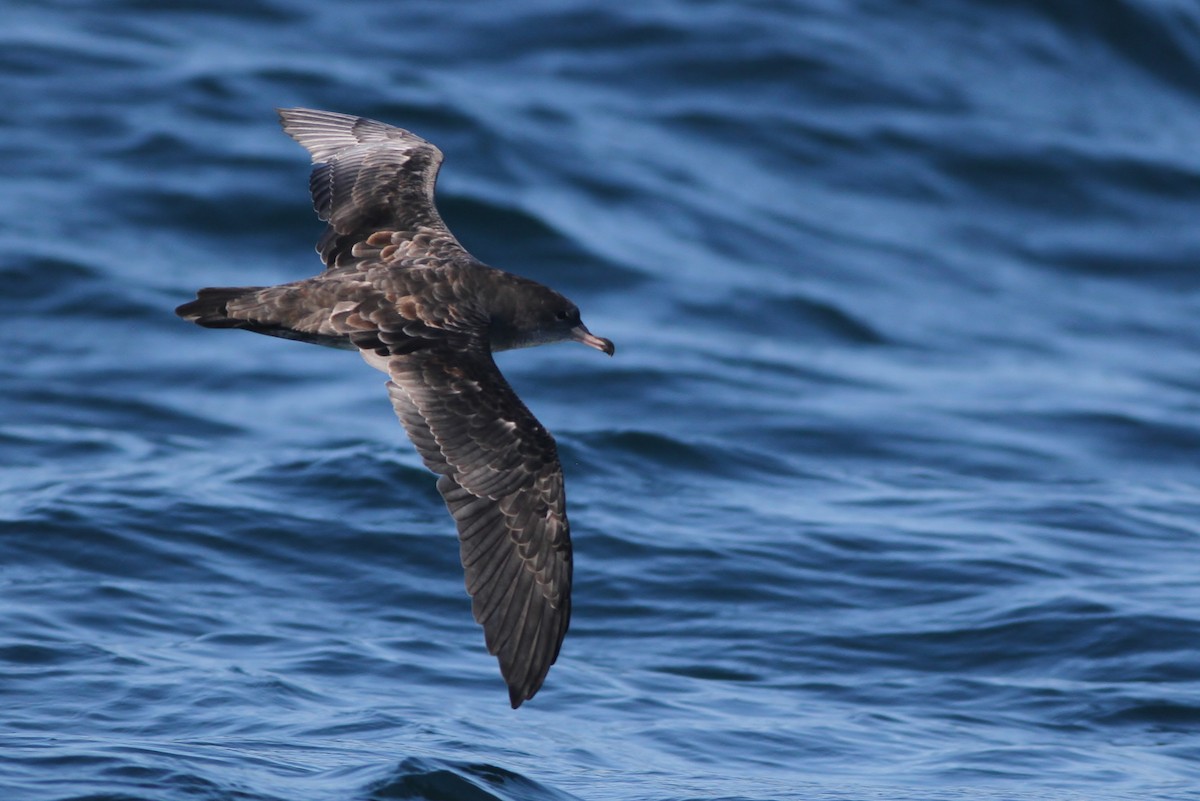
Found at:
(502, 483)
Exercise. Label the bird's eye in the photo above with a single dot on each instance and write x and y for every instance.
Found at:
(563, 314)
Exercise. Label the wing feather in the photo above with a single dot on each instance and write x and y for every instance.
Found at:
(502, 482)
(373, 183)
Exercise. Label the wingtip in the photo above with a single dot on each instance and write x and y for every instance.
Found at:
(287, 119)
(518, 695)
(289, 116)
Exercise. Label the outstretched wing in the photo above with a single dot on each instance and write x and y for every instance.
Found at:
(500, 477)
(372, 182)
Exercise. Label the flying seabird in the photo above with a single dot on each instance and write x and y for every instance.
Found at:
(399, 289)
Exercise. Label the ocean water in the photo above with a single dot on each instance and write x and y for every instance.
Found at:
(891, 491)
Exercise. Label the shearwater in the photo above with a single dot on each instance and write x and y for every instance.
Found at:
(399, 289)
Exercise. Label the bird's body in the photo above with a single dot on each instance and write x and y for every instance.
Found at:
(400, 289)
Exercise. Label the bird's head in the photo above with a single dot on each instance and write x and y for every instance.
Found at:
(537, 315)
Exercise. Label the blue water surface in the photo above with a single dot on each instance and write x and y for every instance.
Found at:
(891, 492)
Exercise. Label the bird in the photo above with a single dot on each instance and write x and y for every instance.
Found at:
(398, 288)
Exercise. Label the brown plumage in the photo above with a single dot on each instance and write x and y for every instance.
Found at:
(400, 289)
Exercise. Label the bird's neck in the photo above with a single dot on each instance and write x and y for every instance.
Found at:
(505, 294)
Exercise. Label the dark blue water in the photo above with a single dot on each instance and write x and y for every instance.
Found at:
(892, 490)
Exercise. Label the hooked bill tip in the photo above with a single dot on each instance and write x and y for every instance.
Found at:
(592, 341)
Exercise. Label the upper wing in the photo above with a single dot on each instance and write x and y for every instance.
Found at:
(502, 482)
(370, 178)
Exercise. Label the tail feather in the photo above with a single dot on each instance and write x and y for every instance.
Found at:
(210, 308)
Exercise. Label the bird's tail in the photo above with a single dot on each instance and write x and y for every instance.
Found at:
(275, 311)
(210, 308)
